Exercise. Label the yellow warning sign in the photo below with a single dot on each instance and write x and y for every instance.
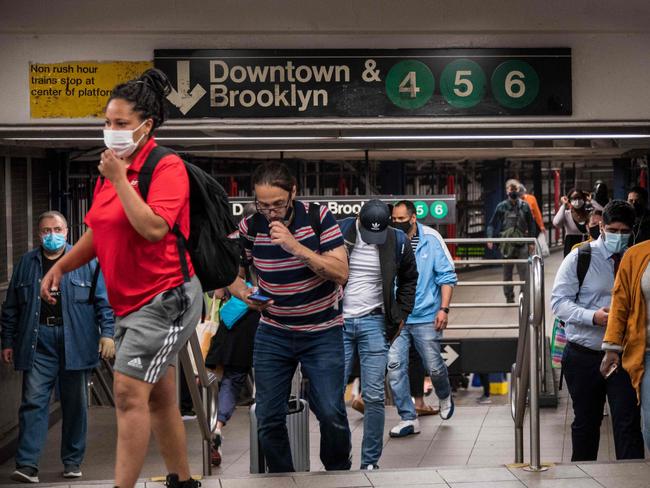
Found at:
(77, 89)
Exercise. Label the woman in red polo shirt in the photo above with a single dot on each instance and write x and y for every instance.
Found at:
(157, 309)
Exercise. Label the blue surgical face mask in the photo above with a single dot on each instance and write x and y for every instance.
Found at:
(616, 243)
(53, 242)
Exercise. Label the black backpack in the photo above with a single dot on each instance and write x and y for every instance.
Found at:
(216, 257)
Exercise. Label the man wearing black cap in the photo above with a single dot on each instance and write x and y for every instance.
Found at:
(378, 297)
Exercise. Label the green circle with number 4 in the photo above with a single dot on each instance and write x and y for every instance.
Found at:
(463, 83)
(439, 210)
(421, 209)
(515, 84)
(410, 84)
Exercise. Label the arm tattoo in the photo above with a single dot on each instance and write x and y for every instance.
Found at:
(321, 270)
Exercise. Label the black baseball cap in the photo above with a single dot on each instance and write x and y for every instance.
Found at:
(374, 219)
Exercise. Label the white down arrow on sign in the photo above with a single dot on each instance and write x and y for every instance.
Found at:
(182, 98)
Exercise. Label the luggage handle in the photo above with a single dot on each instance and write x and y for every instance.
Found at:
(295, 405)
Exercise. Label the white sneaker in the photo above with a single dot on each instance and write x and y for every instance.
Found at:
(405, 428)
(446, 407)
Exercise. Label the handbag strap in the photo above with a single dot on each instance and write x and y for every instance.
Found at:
(213, 306)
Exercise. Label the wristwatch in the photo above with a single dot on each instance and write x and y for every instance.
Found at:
(445, 309)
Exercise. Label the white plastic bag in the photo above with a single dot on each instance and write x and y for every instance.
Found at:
(206, 330)
(543, 244)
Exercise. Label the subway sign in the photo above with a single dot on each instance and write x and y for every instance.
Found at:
(431, 209)
(223, 83)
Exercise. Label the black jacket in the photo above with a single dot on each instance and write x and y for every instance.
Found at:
(399, 273)
(641, 229)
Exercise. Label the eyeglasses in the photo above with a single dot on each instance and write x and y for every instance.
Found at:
(49, 230)
(267, 209)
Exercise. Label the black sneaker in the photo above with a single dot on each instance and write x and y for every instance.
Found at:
(25, 474)
(172, 481)
(71, 471)
(369, 467)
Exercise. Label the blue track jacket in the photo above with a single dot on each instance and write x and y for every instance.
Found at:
(435, 268)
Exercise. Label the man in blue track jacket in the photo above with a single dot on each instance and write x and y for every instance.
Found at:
(424, 326)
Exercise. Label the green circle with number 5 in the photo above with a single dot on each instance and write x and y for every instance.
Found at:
(463, 83)
(410, 84)
(515, 84)
(421, 209)
(439, 210)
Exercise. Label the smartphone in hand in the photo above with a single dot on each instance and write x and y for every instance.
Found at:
(612, 369)
(256, 297)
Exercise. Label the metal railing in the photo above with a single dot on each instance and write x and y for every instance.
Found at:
(530, 357)
(204, 395)
(525, 377)
(471, 262)
(100, 385)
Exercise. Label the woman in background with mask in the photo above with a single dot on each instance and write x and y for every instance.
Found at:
(157, 308)
(572, 216)
(627, 337)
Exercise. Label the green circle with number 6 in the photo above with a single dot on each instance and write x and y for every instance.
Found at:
(463, 83)
(515, 84)
(439, 210)
(410, 84)
(421, 209)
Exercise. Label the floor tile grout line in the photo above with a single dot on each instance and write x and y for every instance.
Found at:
(477, 436)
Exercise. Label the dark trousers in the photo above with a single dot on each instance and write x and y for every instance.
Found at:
(231, 384)
(522, 271)
(186, 404)
(416, 373)
(588, 390)
(276, 354)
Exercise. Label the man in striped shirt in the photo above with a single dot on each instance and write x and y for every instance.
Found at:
(300, 261)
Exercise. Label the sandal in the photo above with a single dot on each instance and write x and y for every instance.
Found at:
(358, 405)
(427, 410)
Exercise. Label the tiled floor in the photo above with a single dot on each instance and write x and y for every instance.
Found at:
(469, 450)
(609, 475)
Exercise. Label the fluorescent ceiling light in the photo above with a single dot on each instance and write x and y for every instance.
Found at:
(492, 137)
(360, 138)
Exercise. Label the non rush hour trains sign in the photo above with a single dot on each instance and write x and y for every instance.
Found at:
(367, 83)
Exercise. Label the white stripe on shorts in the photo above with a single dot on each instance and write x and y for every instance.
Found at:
(172, 336)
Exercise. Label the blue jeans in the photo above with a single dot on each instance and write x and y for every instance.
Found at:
(276, 354)
(38, 383)
(427, 342)
(367, 334)
(231, 384)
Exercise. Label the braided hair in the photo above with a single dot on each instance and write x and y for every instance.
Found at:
(147, 94)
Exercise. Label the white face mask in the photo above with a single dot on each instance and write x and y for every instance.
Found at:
(577, 203)
(121, 141)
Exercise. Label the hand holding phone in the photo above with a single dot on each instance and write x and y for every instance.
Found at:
(257, 301)
(257, 297)
(609, 364)
(612, 369)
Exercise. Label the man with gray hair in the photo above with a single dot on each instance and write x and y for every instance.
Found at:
(512, 218)
(53, 344)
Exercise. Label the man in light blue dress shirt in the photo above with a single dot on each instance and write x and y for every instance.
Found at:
(584, 310)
